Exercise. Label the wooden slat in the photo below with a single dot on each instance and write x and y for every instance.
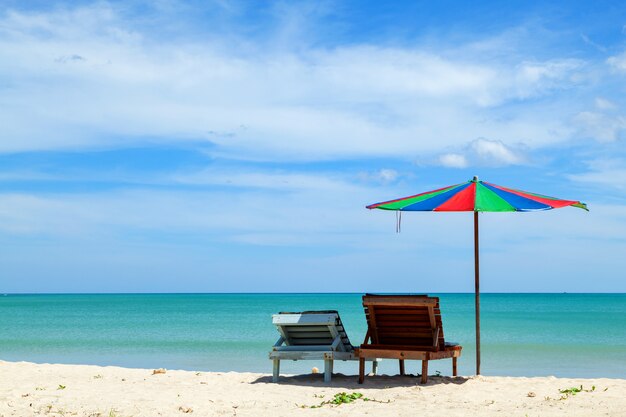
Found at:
(404, 328)
(407, 341)
(305, 328)
(398, 347)
(317, 336)
(279, 342)
(283, 334)
(444, 354)
(309, 335)
(410, 340)
(401, 310)
(395, 311)
(336, 337)
(431, 315)
(309, 319)
(423, 331)
(304, 342)
(312, 325)
(404, 319)
(302, 348)
(425, 345)
(398, 300)
(320, 354)
(371, 321)
(414, 318)
(393, 354)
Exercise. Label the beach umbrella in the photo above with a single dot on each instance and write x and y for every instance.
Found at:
(476, 196)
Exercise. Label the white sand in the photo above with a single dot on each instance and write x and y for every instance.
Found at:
(28, 389)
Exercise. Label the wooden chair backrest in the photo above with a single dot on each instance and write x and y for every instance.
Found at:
(404, 320)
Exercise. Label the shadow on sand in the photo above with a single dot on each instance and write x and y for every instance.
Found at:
(371, 382)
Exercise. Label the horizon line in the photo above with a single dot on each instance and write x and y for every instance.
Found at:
(291, 293)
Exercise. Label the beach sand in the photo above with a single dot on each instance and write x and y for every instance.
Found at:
(28, 389)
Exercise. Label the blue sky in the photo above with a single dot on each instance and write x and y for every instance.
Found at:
(232, 146)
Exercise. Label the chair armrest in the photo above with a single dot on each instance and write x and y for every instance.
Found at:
(436, 337)
(279, 342)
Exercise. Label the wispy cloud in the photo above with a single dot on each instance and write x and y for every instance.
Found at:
(603, 127)
(259, 134)
(605, 172)
(618, 62)
(384, 176)
(453, 160)
(589, 42)
(88, 77)
(264, 180)
(483, 152)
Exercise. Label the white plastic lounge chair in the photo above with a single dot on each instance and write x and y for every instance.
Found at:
(317, 335)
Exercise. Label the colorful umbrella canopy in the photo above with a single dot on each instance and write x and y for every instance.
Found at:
(476, 196)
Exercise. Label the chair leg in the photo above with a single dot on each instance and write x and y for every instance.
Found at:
(328, 369)
(276, 370)
(424, 371)
(454, 366)
(401, 366)
(374, 366)
(361, 370)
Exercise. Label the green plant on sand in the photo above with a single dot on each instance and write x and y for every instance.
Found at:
(575, 390)
(343, 398)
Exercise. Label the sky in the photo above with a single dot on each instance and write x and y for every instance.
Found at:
(232, 146)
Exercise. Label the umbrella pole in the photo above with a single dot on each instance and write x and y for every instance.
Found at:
(477, 292)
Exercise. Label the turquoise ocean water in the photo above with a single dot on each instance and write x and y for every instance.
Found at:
(569, 335)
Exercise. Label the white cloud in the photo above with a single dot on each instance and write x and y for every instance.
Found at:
(495, 152)
(453, 160)
(87, 78)
(604, 104)
(605, 123)
(483, 152)
(589, 42)
(618, 62)
(387, 175)
(384, 176)
(156, 233)
(264, 103)
(602, 127)
(609, 173)
(536, 78)
(303, 216)
(276, 181)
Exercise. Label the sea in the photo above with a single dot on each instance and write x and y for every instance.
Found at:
(564, 335)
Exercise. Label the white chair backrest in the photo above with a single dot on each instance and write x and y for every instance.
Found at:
(312, 329)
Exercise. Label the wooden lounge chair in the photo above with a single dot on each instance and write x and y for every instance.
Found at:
(405, 327)
(311, 335)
